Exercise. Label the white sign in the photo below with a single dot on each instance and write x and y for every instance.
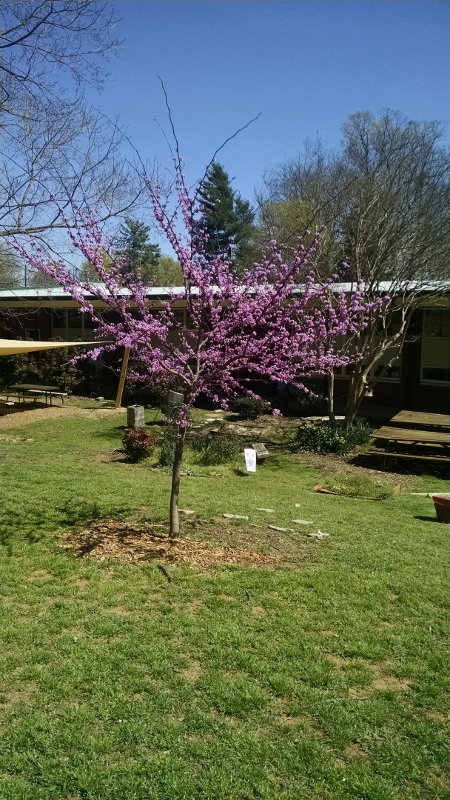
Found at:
(250, 459)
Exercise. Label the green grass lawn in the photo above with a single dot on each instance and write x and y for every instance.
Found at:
(324, 680)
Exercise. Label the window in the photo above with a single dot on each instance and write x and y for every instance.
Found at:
(70, 325)
(435, 346)
(392, 373)
(33, 333)
(59, 323)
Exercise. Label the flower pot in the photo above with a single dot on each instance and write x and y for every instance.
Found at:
(442, 507)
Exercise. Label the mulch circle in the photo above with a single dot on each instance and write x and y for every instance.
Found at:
(109, 539)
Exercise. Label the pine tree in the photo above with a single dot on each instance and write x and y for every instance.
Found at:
(227, 218)
(141, 257)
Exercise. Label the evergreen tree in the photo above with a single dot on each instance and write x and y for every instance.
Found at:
(227, 218)
(142, 257)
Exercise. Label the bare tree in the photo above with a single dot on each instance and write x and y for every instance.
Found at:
(43, 38)
(55, 147)
(11, 269)
(383, 197)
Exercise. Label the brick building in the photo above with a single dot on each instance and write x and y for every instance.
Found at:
(419, 380)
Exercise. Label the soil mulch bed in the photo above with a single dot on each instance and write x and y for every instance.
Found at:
(24, 415)
(204, 545)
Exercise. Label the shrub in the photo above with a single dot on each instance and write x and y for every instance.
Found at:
(358, 486)
(217, 449)
(138, 444)
(311, 404)
(252, 407)
(328, 438)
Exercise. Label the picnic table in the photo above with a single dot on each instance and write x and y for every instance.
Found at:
(34, 390)
(392, 437)
(422, 419)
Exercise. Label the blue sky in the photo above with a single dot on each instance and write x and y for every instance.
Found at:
(304, 65)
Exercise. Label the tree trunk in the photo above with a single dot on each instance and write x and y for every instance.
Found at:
(331, 416)
(356, 392)
(176, 472)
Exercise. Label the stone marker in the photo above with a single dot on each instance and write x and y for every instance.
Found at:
(175, 398)
(186, 511)
(302, 521)
(135, 416)
(234, 516)
(261, 451)
(267, 510)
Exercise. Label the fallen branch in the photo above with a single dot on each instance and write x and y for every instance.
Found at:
(165, 572)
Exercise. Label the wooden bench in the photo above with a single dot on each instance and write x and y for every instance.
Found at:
(392, 454)
(6, 405)
(411, 436)
(62, 395)
(428, 444)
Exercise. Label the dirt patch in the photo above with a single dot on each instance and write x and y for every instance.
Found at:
(15, 698)
(381, 679)
(26, 416)
(290, 722)
(439, 716)
(192, 607)
(80, 583)
(118, 611)
(354, 750)
(40, 575)
(258, 611)
(339, 661)
(205, 545)
(193, 672)
(391, 684)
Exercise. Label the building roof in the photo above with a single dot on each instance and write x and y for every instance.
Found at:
(166, 292)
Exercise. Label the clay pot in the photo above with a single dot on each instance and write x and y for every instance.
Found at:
(442, 507)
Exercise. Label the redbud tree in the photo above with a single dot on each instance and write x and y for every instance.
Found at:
(276, 321)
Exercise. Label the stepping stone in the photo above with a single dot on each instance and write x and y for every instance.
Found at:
(234, 516)
(282, 530)
(186, 511)
(267, 510)
(302, 521)
(318, 535)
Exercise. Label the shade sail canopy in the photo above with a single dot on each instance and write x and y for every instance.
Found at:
(9, 347)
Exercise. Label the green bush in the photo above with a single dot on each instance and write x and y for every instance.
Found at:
(252, 407)
(358, 486)
(138, 444)
(328, 438)
(311, 404)
(217, 449)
